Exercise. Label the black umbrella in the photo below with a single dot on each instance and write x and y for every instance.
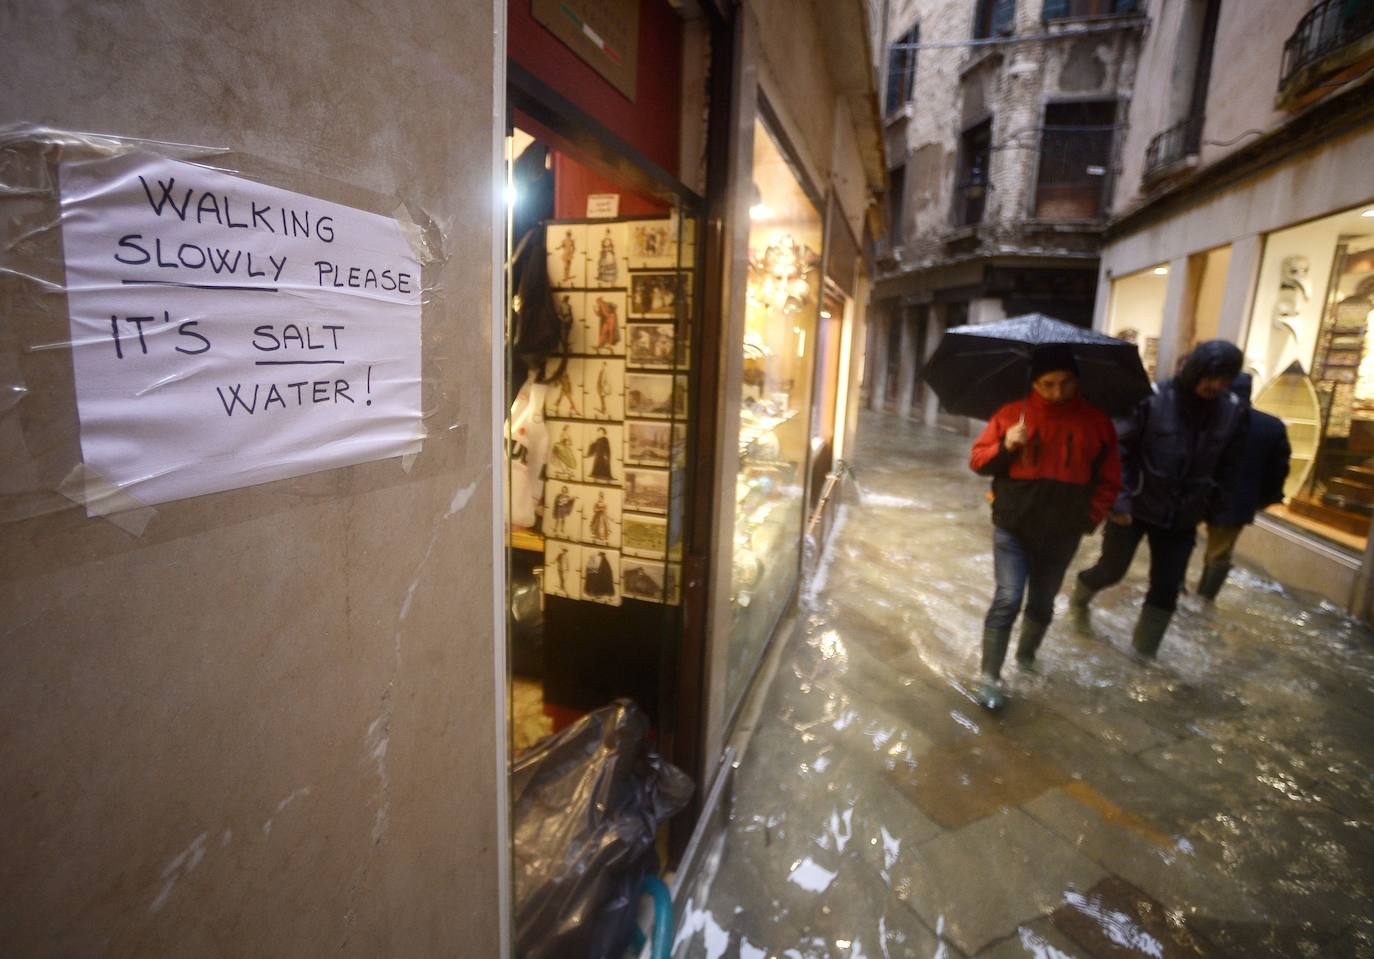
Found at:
(977, 369)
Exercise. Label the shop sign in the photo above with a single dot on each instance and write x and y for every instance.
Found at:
(225, 333)
(604, 33)
(602, 206)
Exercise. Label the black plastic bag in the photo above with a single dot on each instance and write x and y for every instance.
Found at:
(587, 803)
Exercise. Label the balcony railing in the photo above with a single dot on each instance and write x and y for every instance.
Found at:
(1324, 29)
(1174, 144)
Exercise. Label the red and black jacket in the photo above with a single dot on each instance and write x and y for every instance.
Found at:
(1066, 477)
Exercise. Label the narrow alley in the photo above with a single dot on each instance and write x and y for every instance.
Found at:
(1216, 803)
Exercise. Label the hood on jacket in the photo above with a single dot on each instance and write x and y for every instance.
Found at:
(1212, 358)
(1241, 386)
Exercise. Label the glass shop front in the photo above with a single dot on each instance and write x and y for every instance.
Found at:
(782, 307)
(1311, 352)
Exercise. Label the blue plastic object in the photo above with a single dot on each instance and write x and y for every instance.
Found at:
(663, 919)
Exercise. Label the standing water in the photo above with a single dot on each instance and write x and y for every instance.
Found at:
(1218, 802)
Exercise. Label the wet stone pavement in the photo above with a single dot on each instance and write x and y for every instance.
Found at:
(1217, 803)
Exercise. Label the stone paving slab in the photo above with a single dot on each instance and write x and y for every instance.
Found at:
(1114, 920)
(1036, 940)
(980, 882)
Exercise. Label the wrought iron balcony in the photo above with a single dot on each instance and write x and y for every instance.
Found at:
(1178, 142)
(1323, 30)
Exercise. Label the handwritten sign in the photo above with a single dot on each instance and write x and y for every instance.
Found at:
(227, 333)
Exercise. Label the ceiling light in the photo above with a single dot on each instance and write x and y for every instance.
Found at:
(1369, 213)
(760, 211)
(1161, 271)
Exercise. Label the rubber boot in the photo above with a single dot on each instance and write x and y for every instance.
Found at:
(1032, 633)
(995, 642)
(1149, 630)
(1081, 596)
(1209, 584)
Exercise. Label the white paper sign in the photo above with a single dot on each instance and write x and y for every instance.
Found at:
(603, 205)
(226, 333)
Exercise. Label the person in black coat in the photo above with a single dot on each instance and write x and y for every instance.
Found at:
(1261, 484)
(1181, 459)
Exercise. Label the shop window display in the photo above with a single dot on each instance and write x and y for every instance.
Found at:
(1310, 346)
(781, 307)
(597, 434)
(1137, 313)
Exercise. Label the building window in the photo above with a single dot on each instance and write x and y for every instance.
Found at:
(975, 155)
(1311, 352)
(1075, 9)
(896, 190)
(1188, 100)
(994, 18)
(1075, 155)
(901, 70)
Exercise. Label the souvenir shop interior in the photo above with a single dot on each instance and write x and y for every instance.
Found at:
(1312, 357)
(601, 323)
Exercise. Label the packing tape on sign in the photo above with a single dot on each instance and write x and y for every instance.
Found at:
(40, 446)
(85, 487)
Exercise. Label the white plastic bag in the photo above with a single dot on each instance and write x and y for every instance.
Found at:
(527, 446)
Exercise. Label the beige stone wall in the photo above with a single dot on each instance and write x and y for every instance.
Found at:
(1246, 61)
(267, 725)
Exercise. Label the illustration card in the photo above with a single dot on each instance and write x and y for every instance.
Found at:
(567, 441)
(601, 516)
(648, 395)
(643, 579)
(571, 307)
(605, 391)
(603, 455)
(565, 395)
(648, 444)
(607, 246)
(646, 490)
(563, 507)
(604, 323)
(644, 536)
(650, 345)
(601, 575)
(562, 569)
(655, 295)
(652, 244)
(567, 249)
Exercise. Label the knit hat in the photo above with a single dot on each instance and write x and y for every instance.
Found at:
(1051, 358)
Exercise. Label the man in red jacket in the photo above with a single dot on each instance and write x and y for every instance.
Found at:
(1055, 473)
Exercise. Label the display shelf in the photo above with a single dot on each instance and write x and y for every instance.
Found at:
(751, 434)
(527, 539)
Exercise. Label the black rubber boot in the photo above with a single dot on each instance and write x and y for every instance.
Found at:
(1149, 629)
(1081, 596)
(1032, 633)
(1209, 584)
(995, 642)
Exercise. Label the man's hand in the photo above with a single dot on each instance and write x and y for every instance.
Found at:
(1120, 519)
(1015, 437)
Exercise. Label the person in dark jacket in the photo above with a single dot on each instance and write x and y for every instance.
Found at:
(1181, 458)
(1055, 473)
(1261, 484)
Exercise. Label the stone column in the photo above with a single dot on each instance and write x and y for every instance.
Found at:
(877, 355)
(1174, 326)
(1239, 299)
(906, 375)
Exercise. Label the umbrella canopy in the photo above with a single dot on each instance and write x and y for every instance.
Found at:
(978, 369)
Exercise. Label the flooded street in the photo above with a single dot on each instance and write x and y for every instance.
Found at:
(1218, 802)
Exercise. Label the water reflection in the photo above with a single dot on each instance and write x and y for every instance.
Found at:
(1217, 803)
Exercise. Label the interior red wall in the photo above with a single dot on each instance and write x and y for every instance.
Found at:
(573, 182)
(650, 124)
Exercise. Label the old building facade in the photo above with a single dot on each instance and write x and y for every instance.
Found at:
(1245, 210)
(1002, 128)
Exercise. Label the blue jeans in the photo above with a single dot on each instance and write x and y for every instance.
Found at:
(1018, 566)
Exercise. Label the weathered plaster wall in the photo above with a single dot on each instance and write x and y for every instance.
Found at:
(267, 726)
(1246, 61)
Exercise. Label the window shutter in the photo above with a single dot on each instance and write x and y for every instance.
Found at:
(1003, 17)
(1056, 9)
